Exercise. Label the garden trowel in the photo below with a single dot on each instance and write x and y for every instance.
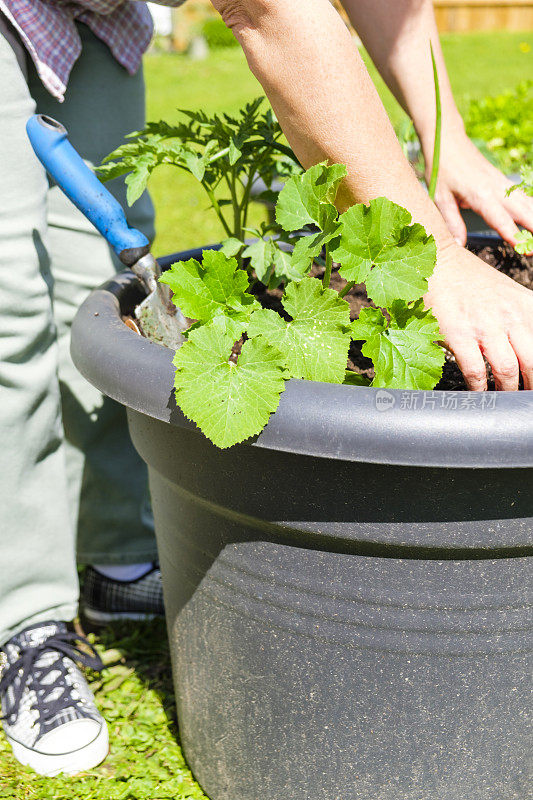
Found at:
(158, 316)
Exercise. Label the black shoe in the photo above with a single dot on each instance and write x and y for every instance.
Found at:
(49, 715)
(104, 600)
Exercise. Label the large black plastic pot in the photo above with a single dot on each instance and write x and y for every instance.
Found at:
(347, 594)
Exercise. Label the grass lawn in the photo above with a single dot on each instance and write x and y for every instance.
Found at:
(479, 64)
(134, 692)
(135, 695)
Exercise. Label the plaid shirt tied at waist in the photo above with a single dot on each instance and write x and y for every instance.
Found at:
(47, 29)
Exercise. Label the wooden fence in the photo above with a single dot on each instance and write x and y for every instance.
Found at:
(484, 15)
(452, 15)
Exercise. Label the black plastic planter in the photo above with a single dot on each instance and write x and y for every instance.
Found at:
(347, 594)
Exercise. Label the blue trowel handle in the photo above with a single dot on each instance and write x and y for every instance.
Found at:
(50, 141)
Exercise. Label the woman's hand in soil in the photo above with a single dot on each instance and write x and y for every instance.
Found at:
(483, 314)
(468, 180)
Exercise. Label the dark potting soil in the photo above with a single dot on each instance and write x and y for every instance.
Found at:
(501, 257)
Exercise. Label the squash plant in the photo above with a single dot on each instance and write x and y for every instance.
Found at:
(238, 356)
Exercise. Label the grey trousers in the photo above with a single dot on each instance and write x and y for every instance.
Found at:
(68, 471)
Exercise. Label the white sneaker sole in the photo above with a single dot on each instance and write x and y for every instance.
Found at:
(64, 763)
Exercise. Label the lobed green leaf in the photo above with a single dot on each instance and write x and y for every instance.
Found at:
(315, 341)
(213, 287)
(404, 350)
(229, 402)
(308, 198)
(379, 247)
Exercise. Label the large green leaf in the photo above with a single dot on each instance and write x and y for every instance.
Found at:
(404, 351)
(307, 248)
(214, 286)
(315, 341)
(380, 248)
(229, 402)
(308, 198)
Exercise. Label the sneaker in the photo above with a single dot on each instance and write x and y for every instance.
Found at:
(49, 715)
(104, 600)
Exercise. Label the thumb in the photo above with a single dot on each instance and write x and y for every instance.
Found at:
(448, 207)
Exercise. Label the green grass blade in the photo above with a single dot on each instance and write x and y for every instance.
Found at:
(438, 130)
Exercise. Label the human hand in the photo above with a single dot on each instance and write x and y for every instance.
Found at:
(468, 180)
(483, 314)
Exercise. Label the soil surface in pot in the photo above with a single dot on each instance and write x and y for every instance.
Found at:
(501, 256)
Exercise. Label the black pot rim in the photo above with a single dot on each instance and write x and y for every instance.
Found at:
(413, 428)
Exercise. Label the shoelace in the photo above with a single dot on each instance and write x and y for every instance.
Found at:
(62, 642)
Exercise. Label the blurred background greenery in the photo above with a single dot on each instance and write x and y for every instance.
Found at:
(479, 64)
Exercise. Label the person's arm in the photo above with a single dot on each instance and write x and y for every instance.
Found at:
(397, 35)
(304, 57)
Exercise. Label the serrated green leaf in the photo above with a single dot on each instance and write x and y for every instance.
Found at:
(283, 265)
(524, 243)
(378, 246)
(403, 352)
(195, 163)
(107, 172)
(308, 248)
(261, 254)
(308, 198)
(215, 286)
(371, 321)
(316, 340)
(137, 180)
(229, 402)
(234, 152)
(231, 247)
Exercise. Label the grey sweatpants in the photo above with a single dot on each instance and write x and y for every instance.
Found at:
(67, 466)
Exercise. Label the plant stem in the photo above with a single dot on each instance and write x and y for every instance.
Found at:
(218, 155)
(245, 203)
(329, 264)
(218, 210)
(344, 292)
(438, 130)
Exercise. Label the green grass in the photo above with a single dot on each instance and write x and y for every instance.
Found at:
(134, 693)
(479, 64)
